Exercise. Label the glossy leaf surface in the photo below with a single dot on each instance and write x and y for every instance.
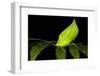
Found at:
(60, 53)
(74, 51)
(68, 35)
(37, 49)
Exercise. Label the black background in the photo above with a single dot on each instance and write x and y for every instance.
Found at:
(49, 28)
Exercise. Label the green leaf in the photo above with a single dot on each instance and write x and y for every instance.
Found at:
(83, 48)
(60, 53)
(68, 35)
(74, 51)
(37, 49)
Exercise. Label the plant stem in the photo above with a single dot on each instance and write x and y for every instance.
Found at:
(49, 42)
(75, 45)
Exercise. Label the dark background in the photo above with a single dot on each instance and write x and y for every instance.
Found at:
(49, 28)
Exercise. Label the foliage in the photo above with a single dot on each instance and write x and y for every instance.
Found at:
(66, 37)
